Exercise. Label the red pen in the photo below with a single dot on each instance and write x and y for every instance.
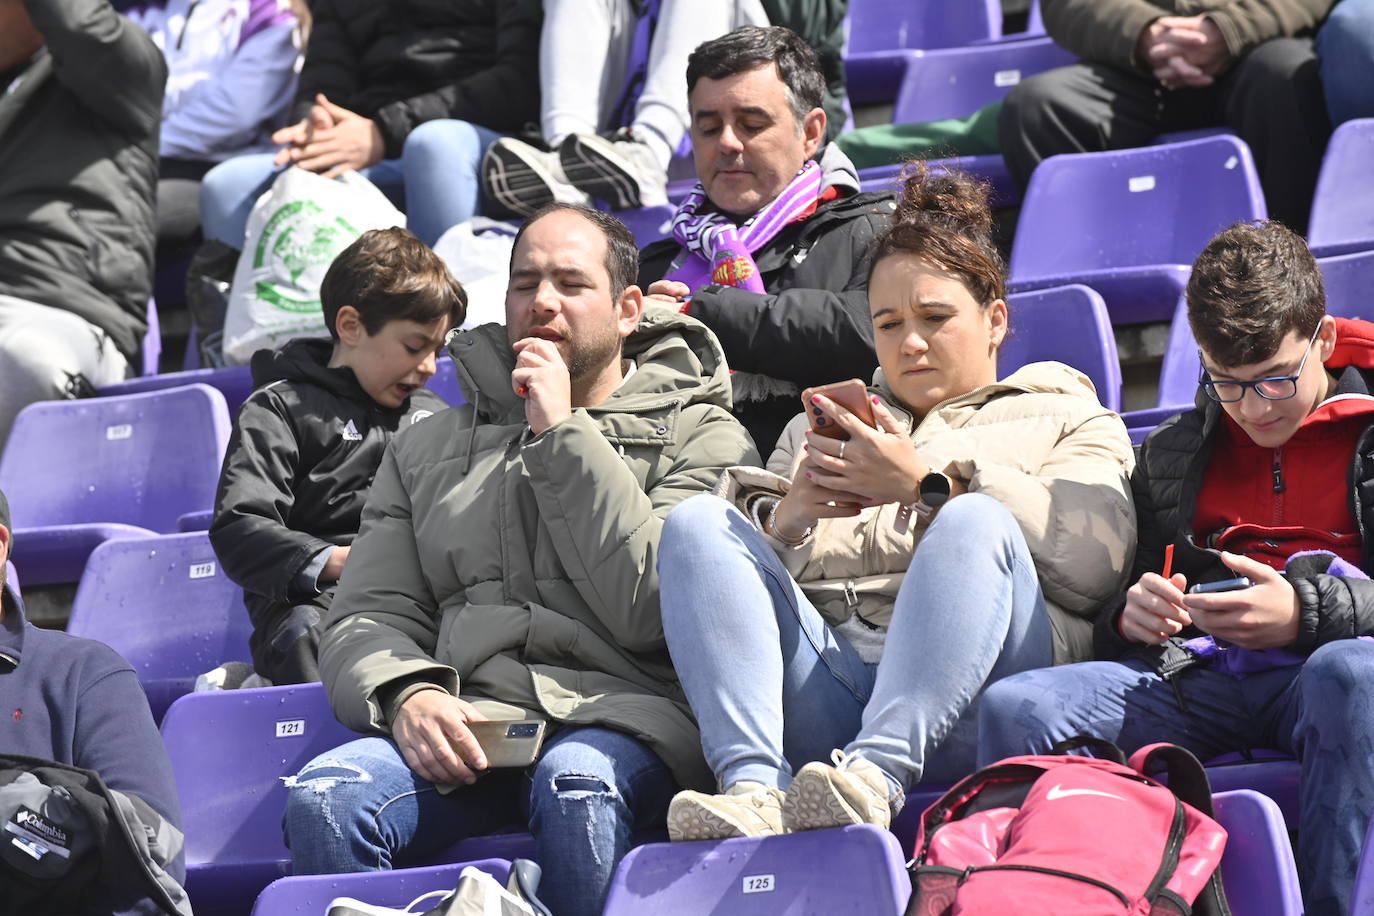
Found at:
(1168, 561)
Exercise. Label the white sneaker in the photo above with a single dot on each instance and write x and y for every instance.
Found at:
(620, 170)
(522, 179)
(853, 791)
(746, 809)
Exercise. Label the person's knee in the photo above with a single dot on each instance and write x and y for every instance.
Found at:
(975, 519)
(696, 520)
(1339, 676)
(327, 791)
(1273, 66)
(37, 358)
(444, 137)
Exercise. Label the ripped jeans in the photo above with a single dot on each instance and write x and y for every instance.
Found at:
(361, 808)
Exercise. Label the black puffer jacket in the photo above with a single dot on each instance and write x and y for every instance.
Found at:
(78, 166)
(1166, 483)
(404, 62)
(300, 461)
(812, 326)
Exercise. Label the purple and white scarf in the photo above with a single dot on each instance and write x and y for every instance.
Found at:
(719, 251)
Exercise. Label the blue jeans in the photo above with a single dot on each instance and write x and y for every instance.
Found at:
(1319, 712)
(435, 182)
(1345, 50)
(773, 686)
(361, 808)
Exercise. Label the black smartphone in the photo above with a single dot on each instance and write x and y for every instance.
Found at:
(1225, 585)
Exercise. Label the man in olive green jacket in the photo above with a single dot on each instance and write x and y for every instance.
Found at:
(1152, 66)
(506, 570)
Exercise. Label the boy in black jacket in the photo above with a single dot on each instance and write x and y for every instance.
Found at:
(1269, 477)
(309, 439)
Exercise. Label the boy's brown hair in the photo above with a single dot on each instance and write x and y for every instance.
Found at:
(1253, 285)
(390, 275)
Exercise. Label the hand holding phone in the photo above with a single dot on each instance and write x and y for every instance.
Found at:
(507, 742)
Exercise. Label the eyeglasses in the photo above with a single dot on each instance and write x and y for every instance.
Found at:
(1272, 388)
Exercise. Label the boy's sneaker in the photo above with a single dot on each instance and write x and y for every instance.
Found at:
(746, 809)
(522, 179)
(853, 791)
(620, 169)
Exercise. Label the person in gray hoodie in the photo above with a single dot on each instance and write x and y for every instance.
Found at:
(80, 104)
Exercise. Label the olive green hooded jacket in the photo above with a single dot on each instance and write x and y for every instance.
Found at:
(518, 571)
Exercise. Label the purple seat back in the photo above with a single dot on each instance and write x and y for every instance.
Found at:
(991, 169)
(851, 870)
(1257, 868)
(234, 382)
(139, 459)
(1067, 324)
(229, 751)
(164, 604)
(1349, 282)
(444, 382)
(956, 82)
(1089, 213)
(311, 894)
(1343, 207)
(884, 25)
(1035, 24)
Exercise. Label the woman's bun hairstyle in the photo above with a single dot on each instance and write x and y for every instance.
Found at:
(942, 216)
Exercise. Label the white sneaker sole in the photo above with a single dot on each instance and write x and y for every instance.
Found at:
(689, 821)
(813, 802)
(593, 165)
(521, 183)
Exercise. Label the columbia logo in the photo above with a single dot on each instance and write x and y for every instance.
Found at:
(350, 433)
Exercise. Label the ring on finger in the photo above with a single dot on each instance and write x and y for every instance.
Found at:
(842, 445)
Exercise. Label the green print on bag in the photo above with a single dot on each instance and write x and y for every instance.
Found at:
(295, 240)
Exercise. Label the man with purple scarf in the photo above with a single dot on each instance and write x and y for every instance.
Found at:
(1270, 477)
(770, 248)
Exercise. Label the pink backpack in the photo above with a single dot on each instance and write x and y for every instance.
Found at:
(1073, 836)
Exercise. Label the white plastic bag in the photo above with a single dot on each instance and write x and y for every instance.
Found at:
(477, 253)
(294, 232)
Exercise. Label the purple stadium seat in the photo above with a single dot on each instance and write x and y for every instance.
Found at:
(81, 472)
(956, 82)
(851, 870)
(234, 382)
(165, 605)
(880, 31)
(1257, 868)
(444, 382)
(1349, 282)
(1273, 774)
(1068, 324)
(884, 25)
(1130, 223)
(311, 894)
(1343, 207)
(229, 752)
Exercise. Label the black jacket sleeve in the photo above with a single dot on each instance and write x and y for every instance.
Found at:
(332, 62)
(792, 333)
(105, 60)
(254, 500)
(1331, 608)
(503, 97)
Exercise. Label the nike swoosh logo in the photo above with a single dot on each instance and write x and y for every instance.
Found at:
(1059, 791)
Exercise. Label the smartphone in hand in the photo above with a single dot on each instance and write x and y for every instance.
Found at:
(851, 395)
(507, 742)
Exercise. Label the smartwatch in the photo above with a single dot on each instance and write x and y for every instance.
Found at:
(934, 489)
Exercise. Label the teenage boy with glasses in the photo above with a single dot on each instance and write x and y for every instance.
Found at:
(1271, 477)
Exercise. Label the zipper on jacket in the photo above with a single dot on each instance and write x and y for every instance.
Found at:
(1103, 885)
(1279, 486)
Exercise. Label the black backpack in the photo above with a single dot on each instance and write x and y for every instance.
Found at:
(69, 844)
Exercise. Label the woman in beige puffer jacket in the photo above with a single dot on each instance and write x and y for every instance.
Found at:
(862, 592)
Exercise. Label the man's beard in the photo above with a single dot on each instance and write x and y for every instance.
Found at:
(592, 353)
